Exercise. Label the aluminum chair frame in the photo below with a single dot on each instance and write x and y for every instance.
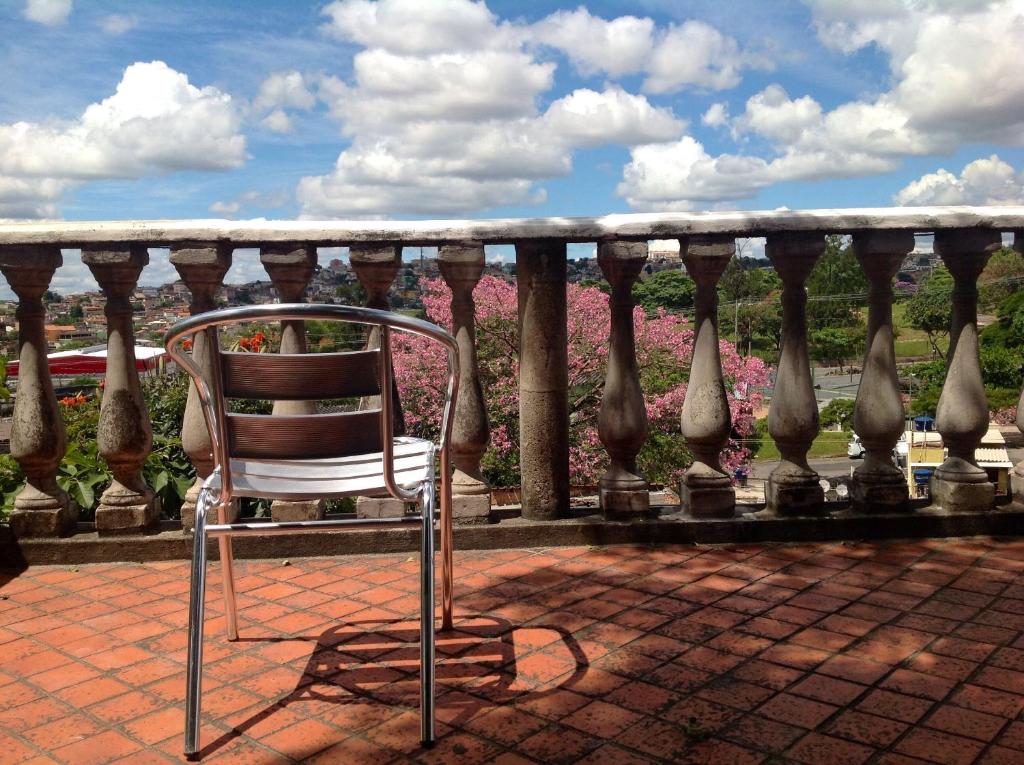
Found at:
(218, 490)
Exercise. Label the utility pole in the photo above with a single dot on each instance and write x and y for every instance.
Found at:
(736, 326)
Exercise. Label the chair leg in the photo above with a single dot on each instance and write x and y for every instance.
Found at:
(427, 732)
(447, 545)
(197, 596)
(227, 569)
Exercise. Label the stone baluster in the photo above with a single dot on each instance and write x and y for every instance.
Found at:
(706, 491)
(202, 266)
(376, 266)
(462, 266)
(38, 440)
(793, 487)
(290, 267)
(1017, 476)
(958, 484)
(622, 421)
(878, 485)
(125, 435)
(543, 379)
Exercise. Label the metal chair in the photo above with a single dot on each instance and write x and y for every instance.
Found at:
(312, 456)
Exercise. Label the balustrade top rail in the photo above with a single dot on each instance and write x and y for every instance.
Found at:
(509, 230)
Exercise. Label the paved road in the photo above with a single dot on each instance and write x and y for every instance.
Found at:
(828, 467)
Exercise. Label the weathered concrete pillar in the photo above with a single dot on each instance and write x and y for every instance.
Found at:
(290, 267)
(125, 435)
(878, 485)
(376, 266)
(958, 484)
(622, 421)
(38, 440)
(462, 265)
(793, 487)
(202, 266)
(706, 491)
(1017, 476)
(543, 379)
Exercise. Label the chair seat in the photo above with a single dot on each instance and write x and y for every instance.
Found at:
(360, 474)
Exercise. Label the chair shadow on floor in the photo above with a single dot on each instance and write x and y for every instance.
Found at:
(377, 663)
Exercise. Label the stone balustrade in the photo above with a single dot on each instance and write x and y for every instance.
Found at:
(201, 251)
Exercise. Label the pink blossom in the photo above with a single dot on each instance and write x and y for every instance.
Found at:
(664, 345)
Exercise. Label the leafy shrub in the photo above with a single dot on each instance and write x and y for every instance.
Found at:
(838, 412)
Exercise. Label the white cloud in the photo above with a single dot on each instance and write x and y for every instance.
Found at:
(117, 24)
(278, 121)
(251, 199)
(225, 208)
(943, 97)
(156, 122)
(284, 90)
(693, 54)
(689, 55)
(989, 181)
(47, 12)
(774, 115)
(415, 27)
(587, 118)
(441, 124)
(617, 47)
(716, 116)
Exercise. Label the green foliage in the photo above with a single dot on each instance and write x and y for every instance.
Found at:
(11, 479)
(331, 336)
(673, 290)
(1003, 276)
(836, 345)
(83, 381)
(930, 309)
(838, 276)
(351, 294)
(838, 411)
(84, 474)
(5, 392)
(743, 279)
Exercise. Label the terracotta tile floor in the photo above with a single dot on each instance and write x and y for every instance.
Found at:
(839, 654)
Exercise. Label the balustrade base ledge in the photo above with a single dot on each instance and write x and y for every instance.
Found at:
(298, 511)
(708, 501)
(471, 509)
(955, 496)
(789, 498)
(663, 525)
(879, 497)
(623, 504)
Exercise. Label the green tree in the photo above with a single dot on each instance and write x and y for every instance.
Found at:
(838, 411)
(836, 287)
(351, 294)
(930, 309)
(1003, 276)
(836, 345)
(743, 279)
(673, 290)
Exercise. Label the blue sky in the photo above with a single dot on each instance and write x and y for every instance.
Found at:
(453, 108)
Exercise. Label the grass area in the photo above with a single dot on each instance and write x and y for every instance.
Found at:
(912, 348)
(911, 342)
(829, 443)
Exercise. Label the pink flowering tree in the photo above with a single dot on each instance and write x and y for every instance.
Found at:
(664, 347)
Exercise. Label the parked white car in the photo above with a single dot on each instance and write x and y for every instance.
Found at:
(855, 449)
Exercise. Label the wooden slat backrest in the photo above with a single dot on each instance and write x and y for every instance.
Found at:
(308, 436)
(301, 376)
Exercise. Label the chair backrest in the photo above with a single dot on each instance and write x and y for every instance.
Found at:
(232, 375)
